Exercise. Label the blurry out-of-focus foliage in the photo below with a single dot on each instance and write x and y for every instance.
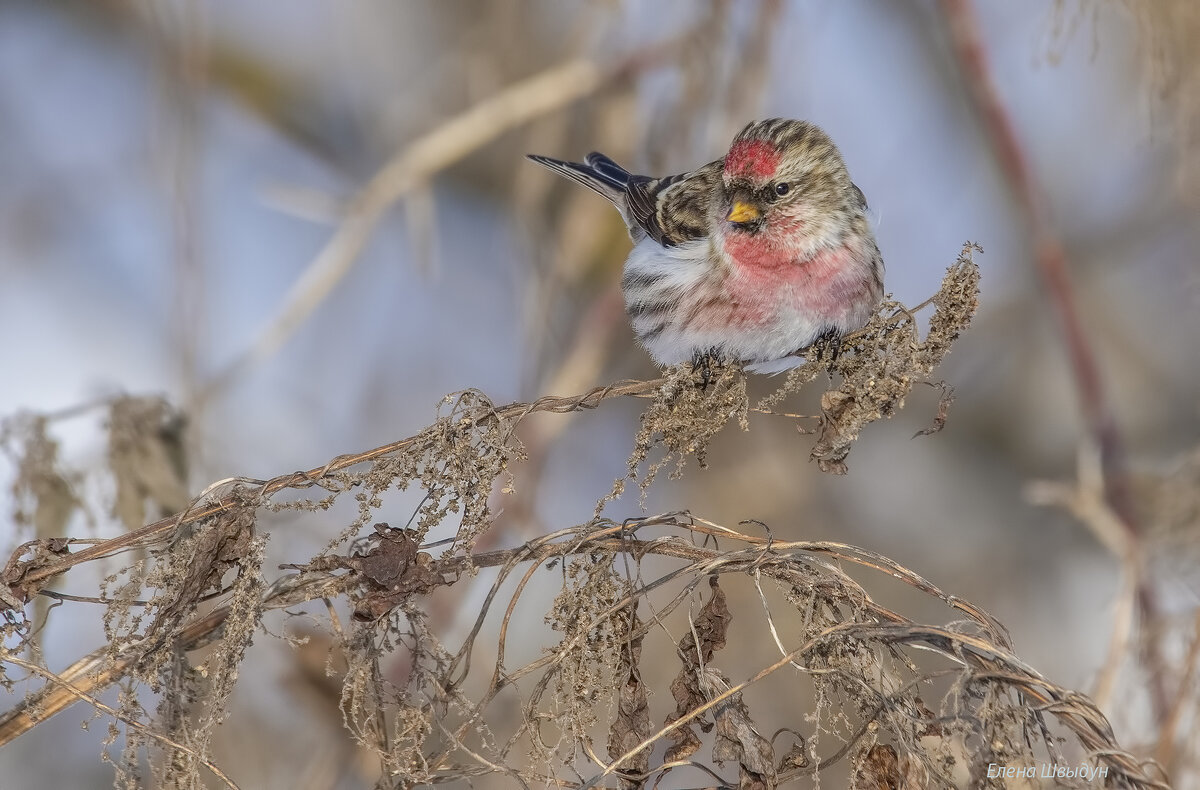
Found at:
(289, 229)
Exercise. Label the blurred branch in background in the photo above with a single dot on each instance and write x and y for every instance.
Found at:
(1051, 259)
(412, 167)
(406, 171)
(178, 32)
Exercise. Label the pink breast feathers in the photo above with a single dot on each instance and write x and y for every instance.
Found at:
(764, 272)
(754, 158)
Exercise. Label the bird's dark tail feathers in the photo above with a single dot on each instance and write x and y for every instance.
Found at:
(599, 173)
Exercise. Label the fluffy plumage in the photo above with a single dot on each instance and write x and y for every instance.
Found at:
(749, 258)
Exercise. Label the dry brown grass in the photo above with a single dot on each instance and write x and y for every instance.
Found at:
(900, 702)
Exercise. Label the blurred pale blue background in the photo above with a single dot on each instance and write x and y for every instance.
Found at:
(168, 170)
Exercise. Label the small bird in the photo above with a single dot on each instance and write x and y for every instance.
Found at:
(751, 258)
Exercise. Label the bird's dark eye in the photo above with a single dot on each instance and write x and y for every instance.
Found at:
(782, 188)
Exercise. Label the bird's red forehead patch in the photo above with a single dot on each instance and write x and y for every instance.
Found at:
(754, 158)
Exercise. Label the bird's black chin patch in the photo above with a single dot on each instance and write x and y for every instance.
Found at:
(748, 227)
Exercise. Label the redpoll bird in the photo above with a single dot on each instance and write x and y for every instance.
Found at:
(750, 258)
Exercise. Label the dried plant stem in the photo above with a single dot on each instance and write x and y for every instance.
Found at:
(73, 693)
(99, 669)
(983, 654)
(201, 509)
(204, 506)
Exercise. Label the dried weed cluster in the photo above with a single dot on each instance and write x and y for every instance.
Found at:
(637, 682)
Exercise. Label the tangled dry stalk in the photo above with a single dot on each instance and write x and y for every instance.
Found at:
(643, 612)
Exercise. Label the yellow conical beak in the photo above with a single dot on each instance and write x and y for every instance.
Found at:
(742, 212)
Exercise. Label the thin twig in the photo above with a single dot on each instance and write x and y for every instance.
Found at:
(1165, 753)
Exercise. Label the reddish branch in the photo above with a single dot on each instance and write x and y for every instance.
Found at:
(1052, 265)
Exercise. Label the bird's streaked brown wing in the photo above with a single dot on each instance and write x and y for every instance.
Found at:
(674, 209)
